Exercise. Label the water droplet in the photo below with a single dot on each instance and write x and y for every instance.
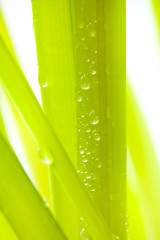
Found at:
(94, 72)
(81, 151)
(115, 237)
(126, 223)
(88, 130)
(99, 166)
(45, 160)
(85, 86)
(94, 118)
(84, 235)
(83, 38)
(97, 136)
(46, 202)
(88, 152)
(98, 162)
(93, 190)
(91, 28)
(44, 84)
(79, 98)
(81, 25)
(93, 33)
(88, 177)
(85, 160)
(82, 231)
(84, 82)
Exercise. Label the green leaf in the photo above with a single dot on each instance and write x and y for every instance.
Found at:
(88, 85)
(54, 43)
(21, 203)
(99, 37)
(16, 85)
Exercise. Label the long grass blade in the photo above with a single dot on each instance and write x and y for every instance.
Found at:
(100, 98)
(7, 231)
(21, 203)
(53, 34)
(23, 97)
(99, 39)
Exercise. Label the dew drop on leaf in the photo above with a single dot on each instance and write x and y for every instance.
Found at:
(115, 237)
(81, 25)
(91, 29)
(88, 130)
(99, 166)
(79, 98)
(84, 82)
(94, 72)
(88, 152)
(46, 160)
(88, 177)
(97, 136)
(44, 84)
(85, 160)
(46, 203)
(94, 118)
(81, 151)
(93, 190)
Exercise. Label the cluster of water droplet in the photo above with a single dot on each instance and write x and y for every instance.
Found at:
(89, 140)
(88, 125)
